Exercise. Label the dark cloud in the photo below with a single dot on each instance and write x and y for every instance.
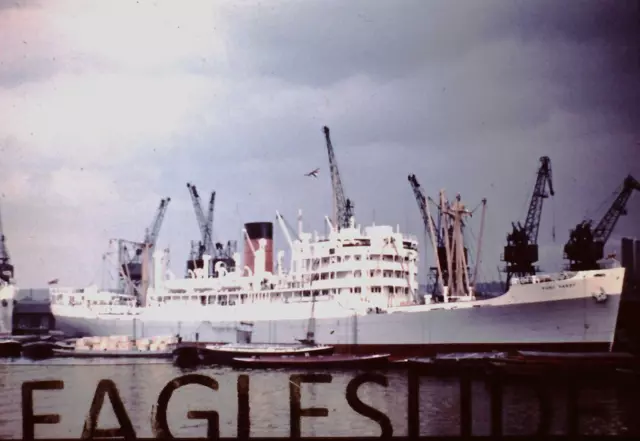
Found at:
(593, 49)
(580, 21)
(320, 42)
(447, 71)
(20, 4)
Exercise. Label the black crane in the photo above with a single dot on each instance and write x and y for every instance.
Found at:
(586, 244)
(205, 245)
(134, 257)
(6, 269)
(521, 251)
(343, 207)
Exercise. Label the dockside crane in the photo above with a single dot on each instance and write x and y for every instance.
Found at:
(343, 208)
(586, 244)
(206, 245)
(6, 269)
(134, 257)
(521, 251)
(205, 223)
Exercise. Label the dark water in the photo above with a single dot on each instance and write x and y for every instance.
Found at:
(603, 409)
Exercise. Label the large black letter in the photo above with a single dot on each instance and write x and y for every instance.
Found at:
(497, 378)
(244, 422)
(161, 428)
(90, 429)
(364, 409)
(296, 412)
(29, 420)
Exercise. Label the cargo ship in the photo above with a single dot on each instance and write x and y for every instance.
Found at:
(358, 287)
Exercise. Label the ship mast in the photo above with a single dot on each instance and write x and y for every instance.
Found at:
(453, 214)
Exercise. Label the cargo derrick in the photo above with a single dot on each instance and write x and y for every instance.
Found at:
(430, 225)
(216, 251)
(342, 207)
(451, 272)
(521, 251)
(134, 258)
(586, 244)
(6, 269)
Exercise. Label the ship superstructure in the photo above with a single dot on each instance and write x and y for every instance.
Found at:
(371, 267)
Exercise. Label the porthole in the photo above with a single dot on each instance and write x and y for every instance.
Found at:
(4, 303)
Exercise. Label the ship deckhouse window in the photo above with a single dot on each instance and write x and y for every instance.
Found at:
(357, 257)
(599, 275)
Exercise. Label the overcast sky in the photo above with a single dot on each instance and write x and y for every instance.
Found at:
(108, 106)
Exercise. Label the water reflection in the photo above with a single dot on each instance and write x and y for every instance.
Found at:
(603, 410)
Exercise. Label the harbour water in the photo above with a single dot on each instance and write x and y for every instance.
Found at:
(609, 409)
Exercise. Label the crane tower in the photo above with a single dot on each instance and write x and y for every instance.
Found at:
(586, 244)
(134, 261)
(343, 209)
(521, 251)
(217, 251)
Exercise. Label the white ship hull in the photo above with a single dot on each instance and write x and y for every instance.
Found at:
(580, 312)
